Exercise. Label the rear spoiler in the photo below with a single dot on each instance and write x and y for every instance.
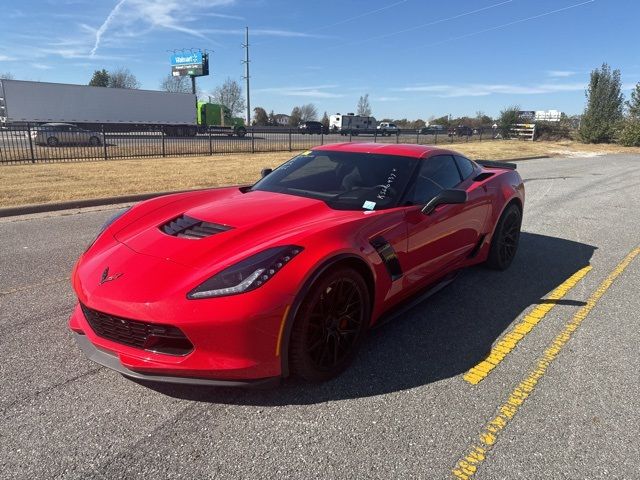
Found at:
(492, 164)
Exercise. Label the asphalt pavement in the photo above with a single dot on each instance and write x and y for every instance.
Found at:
(404, 409)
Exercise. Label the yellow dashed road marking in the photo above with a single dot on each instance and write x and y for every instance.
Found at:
(509, 341)
(468, 465)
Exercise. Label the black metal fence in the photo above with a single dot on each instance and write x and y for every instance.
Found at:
(37, 144)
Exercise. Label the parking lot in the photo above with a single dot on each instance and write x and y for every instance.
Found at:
(562, 402)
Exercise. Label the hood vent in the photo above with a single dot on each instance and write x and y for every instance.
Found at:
(187, 227)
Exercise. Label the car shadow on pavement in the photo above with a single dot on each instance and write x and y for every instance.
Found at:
(440, 338)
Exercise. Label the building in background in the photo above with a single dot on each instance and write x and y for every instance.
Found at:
(282, 119)
(548, 115)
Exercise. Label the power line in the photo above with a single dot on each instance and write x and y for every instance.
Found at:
(508, 24)
(434, 22)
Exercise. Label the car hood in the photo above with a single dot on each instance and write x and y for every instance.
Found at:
(248, 223)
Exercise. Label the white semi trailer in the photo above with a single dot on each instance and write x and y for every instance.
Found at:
(40, 102)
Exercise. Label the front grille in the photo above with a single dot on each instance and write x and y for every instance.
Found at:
(188, 227)
(154, 337)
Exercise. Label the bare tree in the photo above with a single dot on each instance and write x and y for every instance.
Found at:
(123, 78)
(296, 117)
(364, 108)
(308, 112)
(229, 94)
(6, 76)
(260, 116)
(176, 84)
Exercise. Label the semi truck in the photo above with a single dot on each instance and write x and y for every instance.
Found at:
(179, 114)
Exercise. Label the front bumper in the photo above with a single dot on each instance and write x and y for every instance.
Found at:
(112, 362)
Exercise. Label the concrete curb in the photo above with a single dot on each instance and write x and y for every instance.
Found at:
(90, 202)
(98, 202)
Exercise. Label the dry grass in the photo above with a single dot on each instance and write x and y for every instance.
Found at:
(54, 182)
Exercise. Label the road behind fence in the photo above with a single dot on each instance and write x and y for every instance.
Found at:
(34, 144)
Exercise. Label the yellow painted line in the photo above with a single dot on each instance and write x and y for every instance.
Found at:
(508, 342)
(282, 323)
(468, 465)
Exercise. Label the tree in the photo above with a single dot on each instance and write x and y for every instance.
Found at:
(296, 117)
(229, 94)
(508, 118)
(100, 78)
(363, 108)
(123, 78)
(173, 84)
(604, 109)
(260, 116)
(634, 103)
(308, 112)
(6, 76)
(272, 118)
(325, 122)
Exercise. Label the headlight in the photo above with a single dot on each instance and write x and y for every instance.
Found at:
(246, 275)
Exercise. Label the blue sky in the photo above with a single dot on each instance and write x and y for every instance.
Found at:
(415, 58)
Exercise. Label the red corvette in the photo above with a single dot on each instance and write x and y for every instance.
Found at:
(245, 285)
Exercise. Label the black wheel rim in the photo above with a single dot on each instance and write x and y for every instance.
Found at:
(335, 323)
(510, 237)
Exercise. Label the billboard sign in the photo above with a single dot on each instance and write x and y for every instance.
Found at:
(194, 64)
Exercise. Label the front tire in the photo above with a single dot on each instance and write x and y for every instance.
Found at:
(506, 238)
(53, 141)
(94, 141)
(330, 325)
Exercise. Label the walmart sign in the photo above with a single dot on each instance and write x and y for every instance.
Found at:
(194, 64)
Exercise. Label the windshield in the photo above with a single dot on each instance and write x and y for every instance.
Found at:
(344, 180)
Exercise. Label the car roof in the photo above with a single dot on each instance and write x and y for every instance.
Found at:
(402, 149)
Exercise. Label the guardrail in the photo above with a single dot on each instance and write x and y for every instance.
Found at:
(22, 144)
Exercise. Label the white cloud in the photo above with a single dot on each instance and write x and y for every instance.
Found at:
(479, 90)
(130, 17)
(314, 91)
(266, 32)
(7, 58)
(386, 99)
(41, 66)
(561, 73)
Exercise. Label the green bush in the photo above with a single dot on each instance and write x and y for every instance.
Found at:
(630, 134)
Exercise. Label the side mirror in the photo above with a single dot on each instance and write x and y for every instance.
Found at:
(265, 172)
(445, 197)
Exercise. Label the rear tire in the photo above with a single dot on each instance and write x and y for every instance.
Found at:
(53, 141)
(330, 326)
(94, 141)
(506, 238)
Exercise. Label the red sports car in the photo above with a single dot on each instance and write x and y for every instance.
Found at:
(244, 285)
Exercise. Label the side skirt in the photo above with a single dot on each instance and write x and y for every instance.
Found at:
(407, 305)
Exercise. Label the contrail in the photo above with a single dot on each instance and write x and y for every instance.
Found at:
(105, 25)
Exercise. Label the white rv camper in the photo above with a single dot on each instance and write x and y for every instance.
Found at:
(351, 124)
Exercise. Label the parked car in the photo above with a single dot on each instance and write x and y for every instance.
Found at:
(245, 285)
(461, 131)
(387, 128)
(54, 134)
(432, 130)
(311, 128)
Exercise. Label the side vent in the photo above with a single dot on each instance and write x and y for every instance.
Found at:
(483, 176)
(388, 256)
(192, 228)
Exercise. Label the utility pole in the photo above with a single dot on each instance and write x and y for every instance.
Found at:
(246, 72)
